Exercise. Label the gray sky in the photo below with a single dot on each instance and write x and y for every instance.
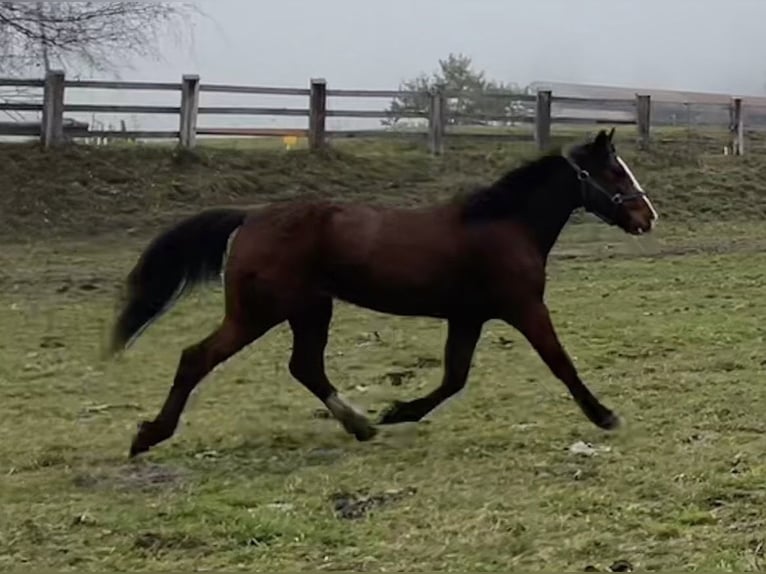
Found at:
(678, 44)
(692, 45)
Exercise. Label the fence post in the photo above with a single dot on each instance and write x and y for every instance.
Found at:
(437, 120)
(52, 125)
(643, 119)
(317, 113)
(737, 127)
(189, 107)
(543, 119)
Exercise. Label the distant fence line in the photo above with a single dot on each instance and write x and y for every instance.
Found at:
(53, 130)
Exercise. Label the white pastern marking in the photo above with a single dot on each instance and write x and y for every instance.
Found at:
(637, 185)
(342, 409)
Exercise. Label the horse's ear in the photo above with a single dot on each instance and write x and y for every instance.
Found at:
(602, 139)
(611, 135)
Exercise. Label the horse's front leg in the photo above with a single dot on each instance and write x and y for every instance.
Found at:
(535, 324)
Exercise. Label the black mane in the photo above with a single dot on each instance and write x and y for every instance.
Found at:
(510, 194)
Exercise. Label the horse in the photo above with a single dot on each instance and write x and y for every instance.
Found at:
(466, 260)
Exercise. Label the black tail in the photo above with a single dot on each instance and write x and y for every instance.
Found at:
(180, 258)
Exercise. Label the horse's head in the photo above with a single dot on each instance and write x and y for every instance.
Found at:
(608, 187)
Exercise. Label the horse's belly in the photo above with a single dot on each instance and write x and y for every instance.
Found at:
(402, 305)
(386, 295)
(406, 268)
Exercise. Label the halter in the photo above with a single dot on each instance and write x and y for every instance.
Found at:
(589, 185)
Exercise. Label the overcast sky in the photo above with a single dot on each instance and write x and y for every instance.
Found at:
(678, 44)
(690, 45)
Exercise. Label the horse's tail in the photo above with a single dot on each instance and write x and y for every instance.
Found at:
(185, 255)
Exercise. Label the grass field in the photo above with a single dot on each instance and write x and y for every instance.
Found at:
(667, 330)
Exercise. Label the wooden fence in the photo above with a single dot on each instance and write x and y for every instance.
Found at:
(54, 131)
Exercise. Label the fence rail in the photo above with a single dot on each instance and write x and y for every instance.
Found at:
(107, 85)
(256, 90)
(541, 110)
(20, 107)
(121, 109)
(21, 83)
(247, 111)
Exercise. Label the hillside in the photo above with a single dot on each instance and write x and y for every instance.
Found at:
(86, 191)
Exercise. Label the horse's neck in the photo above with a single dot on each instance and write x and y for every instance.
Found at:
(549, 212)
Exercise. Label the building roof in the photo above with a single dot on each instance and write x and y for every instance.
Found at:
(564, 89)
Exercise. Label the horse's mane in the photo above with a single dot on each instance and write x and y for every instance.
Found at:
(510, 194)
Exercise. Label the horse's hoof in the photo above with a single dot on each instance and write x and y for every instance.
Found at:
(610, 422)
(394, 414)
(359, 426)
(144, 439)
(136, 449)
(365, 432)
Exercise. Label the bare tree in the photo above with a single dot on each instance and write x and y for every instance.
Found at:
(98, 36)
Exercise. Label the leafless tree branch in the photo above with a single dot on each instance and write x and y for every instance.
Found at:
(101, 36)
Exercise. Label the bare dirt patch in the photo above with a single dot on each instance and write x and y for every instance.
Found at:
(134, 476)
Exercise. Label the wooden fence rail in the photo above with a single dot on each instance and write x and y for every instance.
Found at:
(54, 131)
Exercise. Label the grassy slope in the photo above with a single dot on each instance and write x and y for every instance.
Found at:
(666, 330)
(85, 190)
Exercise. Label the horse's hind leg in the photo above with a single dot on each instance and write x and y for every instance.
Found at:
(196, 362)
(310, 328)
(462, 337)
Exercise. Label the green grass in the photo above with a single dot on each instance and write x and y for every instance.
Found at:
(667, 330)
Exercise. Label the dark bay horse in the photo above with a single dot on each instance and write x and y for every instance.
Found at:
(467, 260)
